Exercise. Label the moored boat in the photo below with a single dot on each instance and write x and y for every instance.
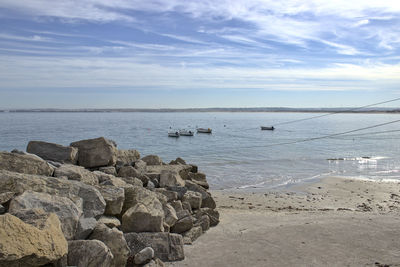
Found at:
(173, 134)
(184, 132)
(204, 130)
(269, 128)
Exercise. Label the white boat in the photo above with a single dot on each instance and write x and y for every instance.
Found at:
(173, 134)
(184, 132)
(204, 130)
(269, 128)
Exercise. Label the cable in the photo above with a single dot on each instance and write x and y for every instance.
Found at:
(342, 111)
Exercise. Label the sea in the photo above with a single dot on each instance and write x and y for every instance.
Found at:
(237, 155)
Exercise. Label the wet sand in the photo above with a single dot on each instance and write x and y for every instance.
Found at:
(333, 222)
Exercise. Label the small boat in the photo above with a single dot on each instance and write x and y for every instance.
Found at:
(269, 128)
(204, 130)
(184, 132)
(173, 134)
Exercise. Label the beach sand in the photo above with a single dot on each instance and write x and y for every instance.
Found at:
(332, 222)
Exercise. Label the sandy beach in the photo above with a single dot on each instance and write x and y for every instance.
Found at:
(332, 222)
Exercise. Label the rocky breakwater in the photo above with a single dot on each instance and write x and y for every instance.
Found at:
(91, 204)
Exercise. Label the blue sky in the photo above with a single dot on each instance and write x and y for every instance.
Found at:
(177, 54)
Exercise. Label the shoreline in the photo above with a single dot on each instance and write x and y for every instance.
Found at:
(335, 221)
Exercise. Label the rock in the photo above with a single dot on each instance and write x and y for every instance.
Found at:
(152, 160)
(85, 227)
(64, 208)
(132, 181)
(155, 170)
(22, 244)
(114, 239)
(54, 164)
(89, 253)
(207, 200)
(155, 263)
(180, 190)
(5, 197)
(177, 205)
(76, 173)
(194, 168)
(190, 236)
(177, 162)
(211, 213)
(144, 256)
(110, 221)
(204, 222)
(24, 163)
(145, 179)
(96, 152)
(140, 166)
(182, 225)
(128, 171)
(194, 199)
(171, 195)
(109, 170)
(170, 216)
(114, 197)
(186, 206)
(142, 218)
(166, 246)
(127, 157)
(54, 152)
(170, 178)
(93, 202)
(200, 179)
(137, 194)
(2, 209)
(150, 185)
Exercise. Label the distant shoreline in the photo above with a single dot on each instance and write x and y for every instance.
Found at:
(199, 110)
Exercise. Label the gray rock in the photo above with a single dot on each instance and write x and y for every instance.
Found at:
(152, 160)
(186, 206)
(93, 202)
(177, 161)
(128, 171)
(140, 166)
(114, 197)
(24, 163)
(155, 263)
(138, 194)
(177, 205)
(133, 181)
(54, 152)
(115, 240)
(171, 195)
(190, 236)
(85, 227)
(76, 173)
(204, 222)
(200, 179)
(182, 225)
(109, 170)
(194, 199)
(96, 152)
(180, 190)
(110, 221)
(170, 216)
(144, 256)
(166, 246)
(211, 213)
(170, 178)
(89, 253)
(207, 200)
(142, 218)
(2, 209)
(127, 157)
(150, 185)
(194, 168)
(64, 208)
(6, 196)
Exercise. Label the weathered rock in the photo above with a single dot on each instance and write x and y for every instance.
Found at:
(171, 195)
(150, 185)
(155, 263)
(190, 236)
(140, 166)
(137, 194)
(186, 206)
(114, 197)
(166, 246)
(177, 205)
(128, 171)
(182, 214)
(24, 163)
(177, 161)
(96, 152)
(114, 239)
(142, 218)
(170, 216)
(144, 256)
(145, 179)
(207, 200)
(200, 179)
(93, 202)
(194, 199)
(182, 225)
(110, 221)
(170, 178)
(64, 208)
(6, 196)
(127, 157)
(211, 213)
(54, 152)
(194, 168)
(204, 222)
(85, 227)
(89, 253)
(182, 170)
(180, 190)
(109, 170)
(152, 160)
(2, 209)
(133, 181)
(76, 173)
(22, 244)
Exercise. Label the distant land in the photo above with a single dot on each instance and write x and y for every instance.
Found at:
(257, 109)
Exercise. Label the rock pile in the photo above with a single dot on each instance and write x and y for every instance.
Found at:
(90, 204)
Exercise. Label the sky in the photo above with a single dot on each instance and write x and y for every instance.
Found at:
(202, 53)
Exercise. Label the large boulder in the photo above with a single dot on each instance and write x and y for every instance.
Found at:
(211, 213)
(54, 152)
(170, 216)
(143, 218)
(128, 171)
(93, 202)
(170, 178)
(76, 173)
(190, 236)
(184, 223)
(85, 227)
(166, 246)
(114, 197)
(138, 194)
(194, 199)
(89, 253)
(22, 244)
(152, 160)
(199, 178)
(144, 256)
(64, 208)
(207, 200)
(115, 240)
(127, 157)
(182, 170)
(24, 163)
(109, 221)
(96, 152)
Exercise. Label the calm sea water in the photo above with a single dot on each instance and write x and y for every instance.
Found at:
(237, 154)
